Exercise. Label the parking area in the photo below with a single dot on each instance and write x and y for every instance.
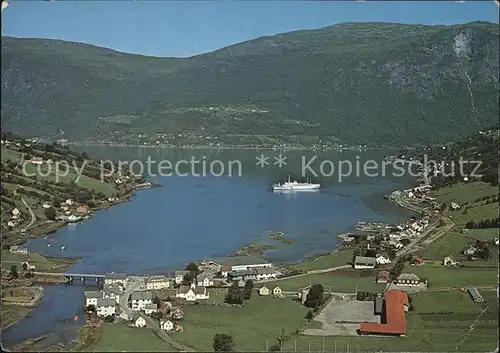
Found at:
(342, 318)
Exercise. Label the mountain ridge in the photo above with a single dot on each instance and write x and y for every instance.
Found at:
(352, 82)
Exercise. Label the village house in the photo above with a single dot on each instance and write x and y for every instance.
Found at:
(27, 266)
(125, 316)
(12, 224)
(157, 282)
(16, 212)
(277, 292)
(69, 202)
(455, 206)
(361, 262)
(18, 250)
(448, 261)
(150, 308)
(475, 295)
(205, 280)
(84, 209)
(140, 300)
(112, 199)
(238, 263)
(36, 160)
(396, 304)
(266, 273)
(383, 260)
(46, 204)
(105, 307)
(179, 276)
(112, 291)
(192, 293)
(241, 283)
(264, 291)
(167, 325)
(116, 278)
(383, 277)
(470, 251)
(74, 218)
(139, 321)
(243, 275)
(417, 261)
(177, 313)
(407, 279)
(91, 298)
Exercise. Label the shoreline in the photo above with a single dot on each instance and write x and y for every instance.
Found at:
(252, 246)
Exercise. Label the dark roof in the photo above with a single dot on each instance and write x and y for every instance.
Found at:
(379, 303)
(183, 289)
(242, 273)
(145, 295)
(105, 302)
(365, 260)
(238, 261)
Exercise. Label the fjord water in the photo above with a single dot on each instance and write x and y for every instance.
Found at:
(191, 218)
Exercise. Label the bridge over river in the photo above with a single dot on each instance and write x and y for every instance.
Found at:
(71, 276)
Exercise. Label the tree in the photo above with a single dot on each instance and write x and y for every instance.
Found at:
(234, 294)
(194, 271)
(25, 266)
(309, 315)
(247, 291)
(91, 308)
(156, 300)
(315, 298)
(223, 343)
(13, 271)
(50, 213)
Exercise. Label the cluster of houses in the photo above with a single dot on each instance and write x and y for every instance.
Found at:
(15, 218)
(70, 211)
(15, 249)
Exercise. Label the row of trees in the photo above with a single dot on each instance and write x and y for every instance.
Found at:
(485, 223)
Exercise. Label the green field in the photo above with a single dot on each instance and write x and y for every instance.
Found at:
(431, 328)
(342, 257)
(261, 319)
(121, 338)
(447, 277)
(336, 281)
(9, 155)
(42, 264)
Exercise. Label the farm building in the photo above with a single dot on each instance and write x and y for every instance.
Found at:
(476, 296)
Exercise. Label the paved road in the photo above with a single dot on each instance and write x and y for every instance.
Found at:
(415, 241)
(132, 287)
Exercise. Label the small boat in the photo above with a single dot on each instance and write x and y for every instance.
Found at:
(63, 247)
(48, 245)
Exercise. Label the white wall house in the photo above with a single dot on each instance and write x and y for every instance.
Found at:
(116, 278)
(167, 325)
(192, 292)
(157, 282)
(140, 300)
(91, 297)
(112, 291)
(383, 260)
(266, 273)
(205, 280)
(179, 276)
(150, 308)
(139, 321)
(106, 307)
(361, 262)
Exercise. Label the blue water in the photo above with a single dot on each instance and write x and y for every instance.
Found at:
(191, 218)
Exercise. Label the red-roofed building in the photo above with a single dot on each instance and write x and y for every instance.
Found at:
(396, 303)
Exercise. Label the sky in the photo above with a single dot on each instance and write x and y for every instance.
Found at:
(181, 29)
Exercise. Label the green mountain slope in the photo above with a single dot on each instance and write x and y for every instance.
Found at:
(355, 82)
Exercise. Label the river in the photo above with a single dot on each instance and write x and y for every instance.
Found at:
(191, 218)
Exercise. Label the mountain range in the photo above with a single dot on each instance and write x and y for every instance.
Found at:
(376, 83)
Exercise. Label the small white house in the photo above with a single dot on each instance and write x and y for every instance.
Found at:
(361, 262)
(139, 321)
(264, 291)
(192, 292)
(112, 291)
(46, 204)
(150, 308)
(140, 300)
(91, 297)
(205, 280)
(167, 325)
(116, 278)
(106, 307)
(179, 276)
(69, 202)
(277, 292)
(383, 260)
(16, 212)
(157, 282)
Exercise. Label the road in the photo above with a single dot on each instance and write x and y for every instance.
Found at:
(415, 241)
(32, 214)
(312, 272)
(132, 287)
